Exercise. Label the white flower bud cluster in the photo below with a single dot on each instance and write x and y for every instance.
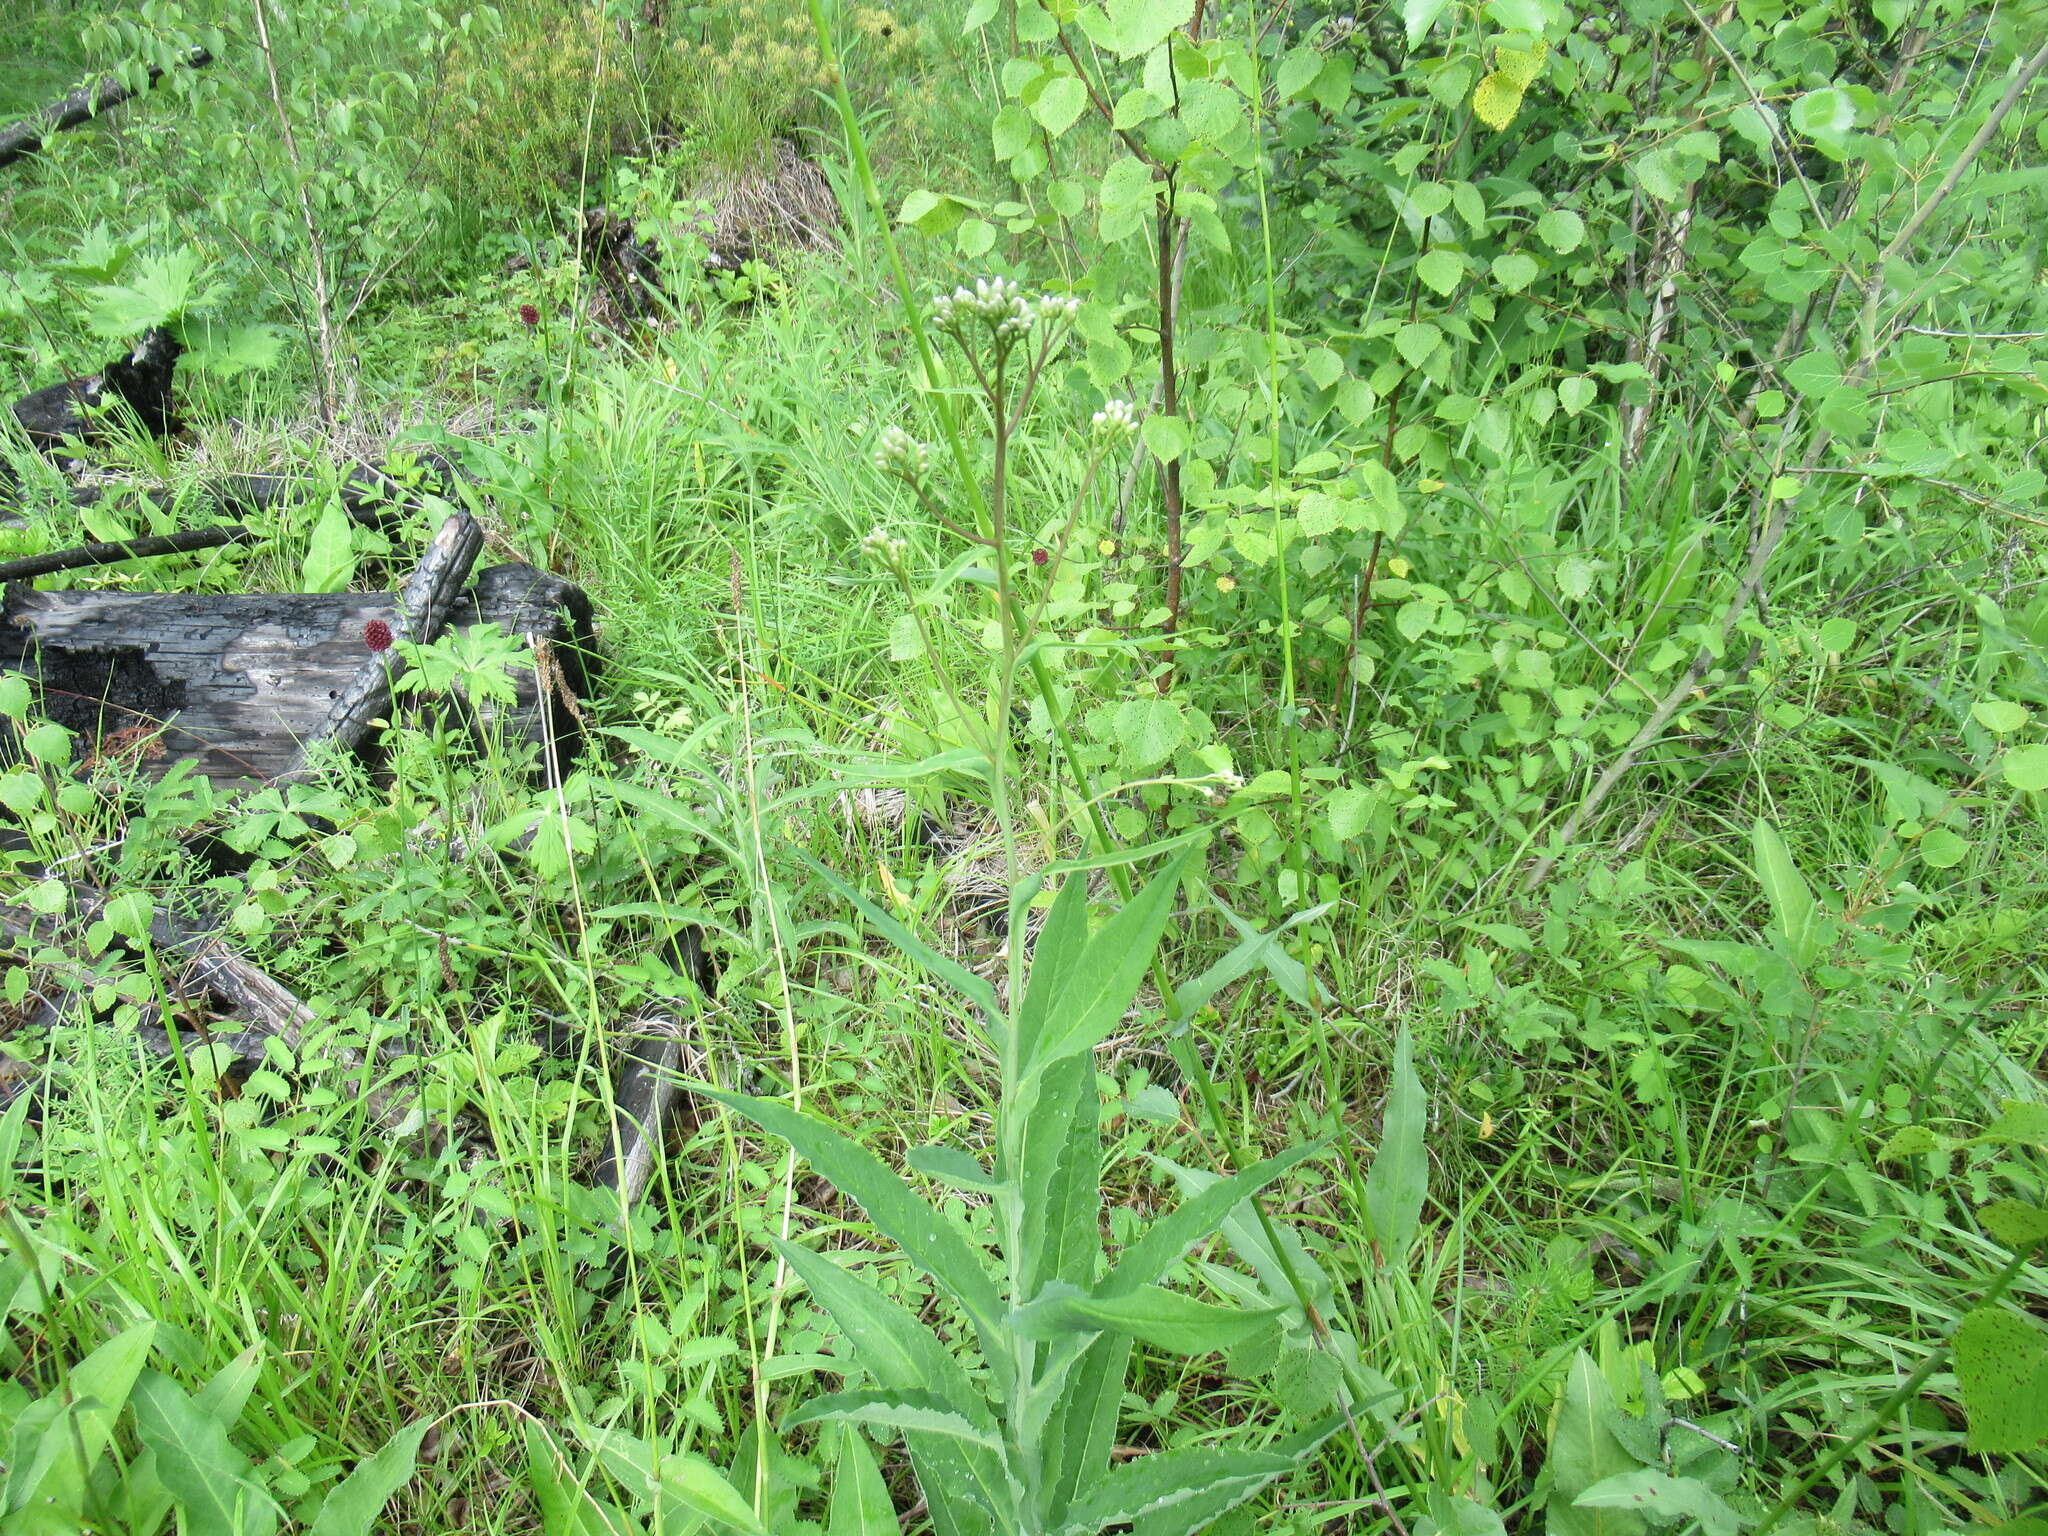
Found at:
(1117, 418)
(1001, 304)
(881, 545)
(898, 453)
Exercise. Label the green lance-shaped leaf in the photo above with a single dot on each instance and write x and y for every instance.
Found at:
(937, 1246)
(211, 1482)
(1792, 900)
(1080, 1433)
(77, 1431)
(676, 1481)
(356, 1506)
(955, 975)
(860, 1499)
(1197, 1216)
(1583, 1453)
(1059, 1157)
(905, 1412)
(1175, 1493)
(1399, 1178)
(1164, 1319)
(965, 1485)
(1656, 1492)
(1106, 975)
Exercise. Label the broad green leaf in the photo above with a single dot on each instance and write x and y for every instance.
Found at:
(71, 1447)
(2002, 1369)
(1081, 1430)
(2019, 1124)
(1061, 101)
(904, 1411)
(1561, 230)
(934, 1244)
(1198, 1215)
(676, 1481)
(2026, 768)
(1824, 115)
(1128, 28)
(1166, 436)
(1793, 906)
(1576, 393)
(954, 974)
(330, 562)
(860, 1499)
(210, 1482)
(2015, 1223)
(1660, 175)
(1442, 270)
(1298, 70)
(932, 213)
(1416, 340)
(1164, 1319)
(1187, 1516)
(164, 289)
(2000, 716)
(356, 1506)
(1398, 1181)
(952, 1166)
(1584, 1453)
(1516, 270)
(1656, 1492)
(1110, 971)
(1419, 16)
(1939, 848)
(1149, 729)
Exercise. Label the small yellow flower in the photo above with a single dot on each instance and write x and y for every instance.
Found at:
(1226, 583)
(1486, 1126)
(1106, 548)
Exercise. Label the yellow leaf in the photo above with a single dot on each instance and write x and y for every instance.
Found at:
(1521, 69)
(1496, 101)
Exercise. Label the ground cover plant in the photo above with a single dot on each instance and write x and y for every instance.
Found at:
(1349, 704)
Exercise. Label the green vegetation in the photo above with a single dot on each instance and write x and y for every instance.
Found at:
(1353, 704)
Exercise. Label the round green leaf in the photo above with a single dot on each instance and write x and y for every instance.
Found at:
(1515, 270)
(2026, 768)
(1561, 230)
(1942, 849)
(1443, 270)
(1416, 340)
(2001, 716)
(1059, 104)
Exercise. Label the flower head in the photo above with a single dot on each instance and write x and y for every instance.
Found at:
(529, 316)
(377, 635)
(1040, 556)
(881, 545)
(898, 453)
(1117, 418)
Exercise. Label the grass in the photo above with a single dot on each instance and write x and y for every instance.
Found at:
(1650, 1135)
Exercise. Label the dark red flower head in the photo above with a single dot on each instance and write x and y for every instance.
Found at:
(528, 315)
(1039, 557)
(377, 635)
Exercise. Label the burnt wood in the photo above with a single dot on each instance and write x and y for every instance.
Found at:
(423, 607)
(237, 683)
(87, 555)
(88, 101)
(73, 411)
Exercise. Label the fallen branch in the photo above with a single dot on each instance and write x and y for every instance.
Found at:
(85, 555)
(644, 1095)
(83, 104)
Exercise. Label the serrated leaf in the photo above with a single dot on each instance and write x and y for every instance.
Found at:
(1062, 100)
(2019, 1124)
(1576, 393)
(933, 1243)
(1910, 1141)
(1149, 731)
(1416, 340)
(1153, 1484)
(2002, 1370)
(1516, 270)
(1496, 100)
(1297, 71)
(356, 1506)
(1561, 230)
(1442, 270)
